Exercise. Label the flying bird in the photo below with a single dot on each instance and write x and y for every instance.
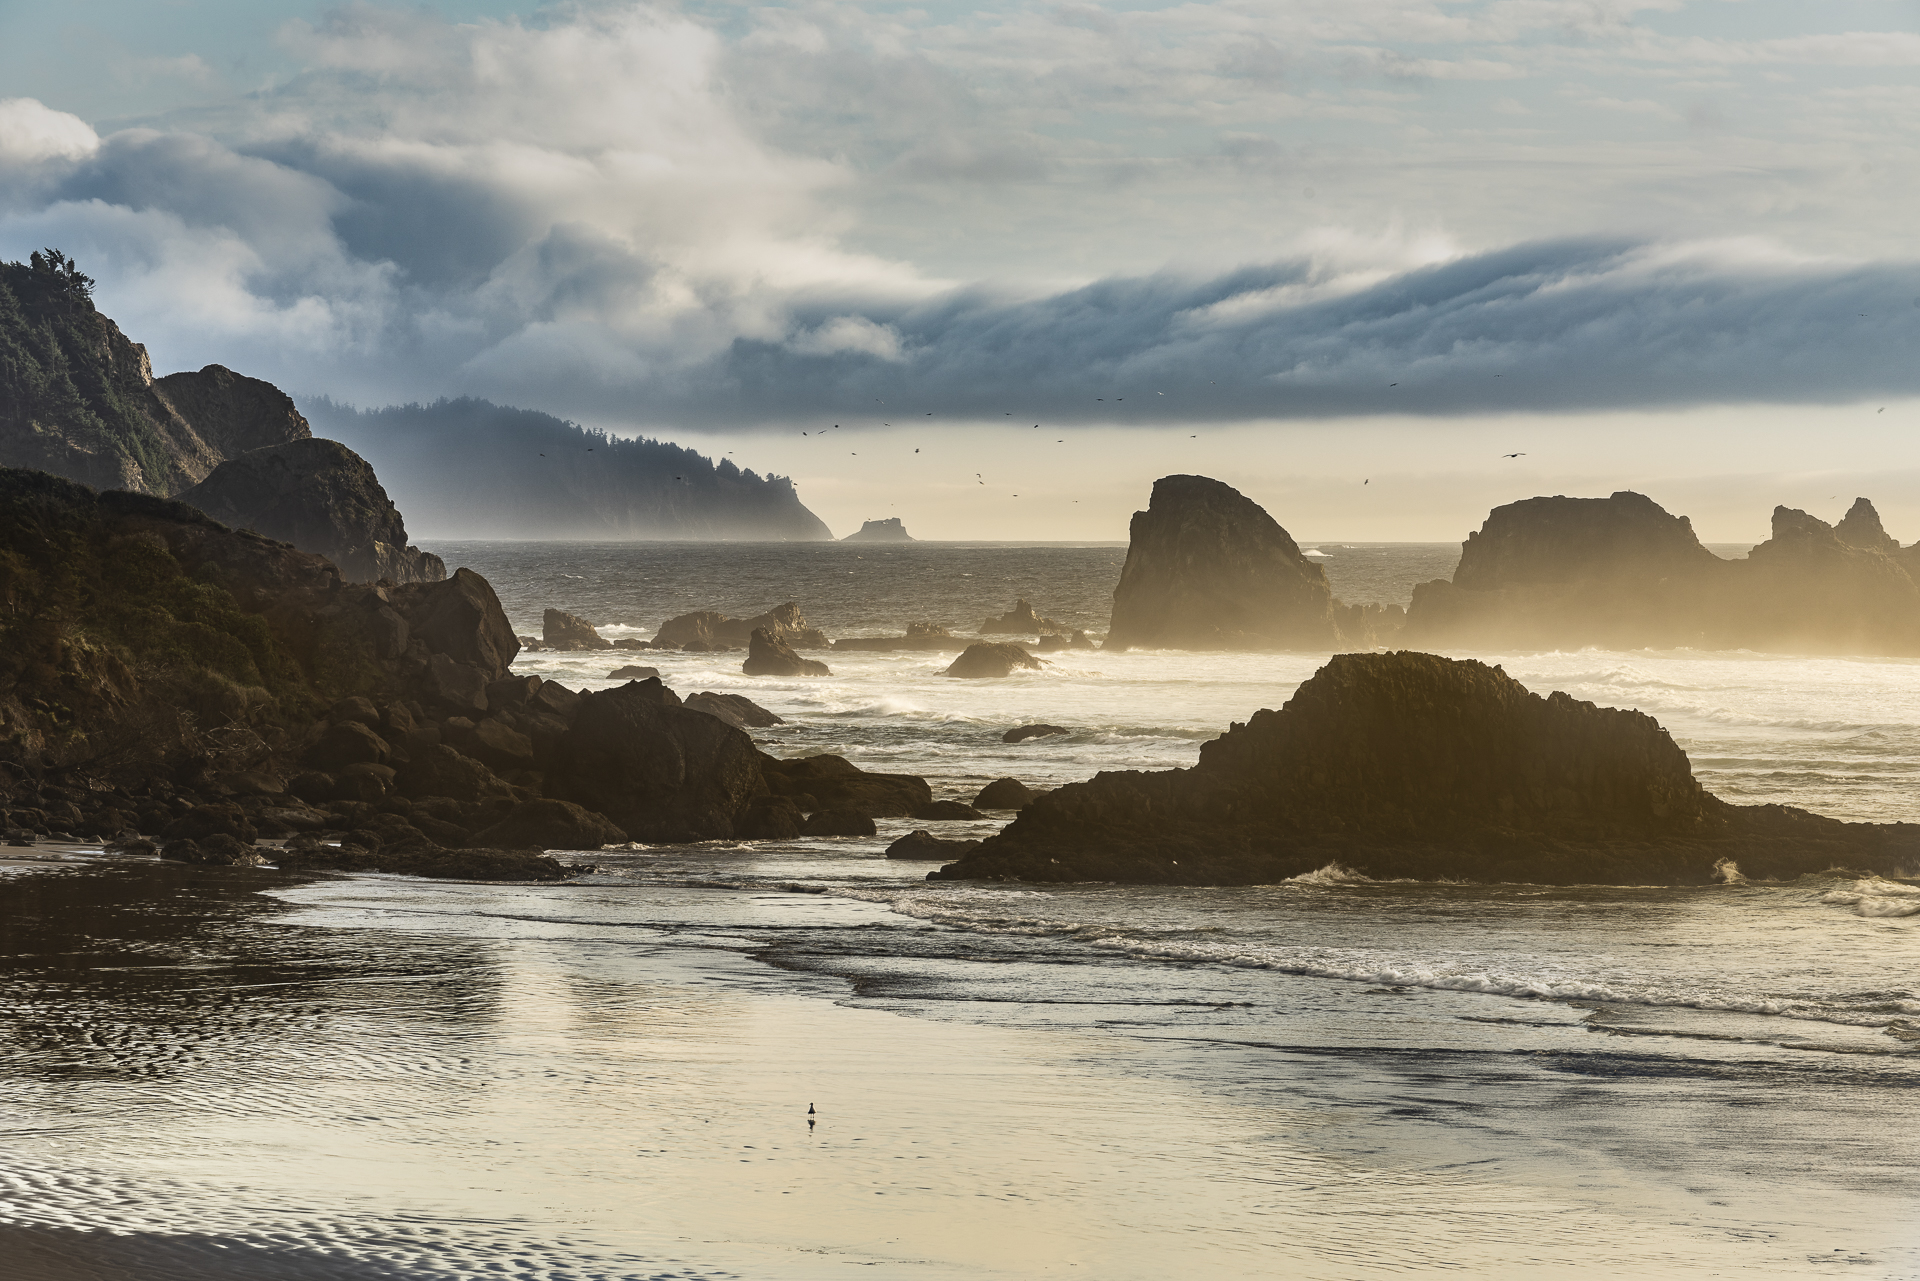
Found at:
(1521, 454)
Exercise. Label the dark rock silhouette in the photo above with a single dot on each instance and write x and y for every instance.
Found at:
(1620, 572)
(323, 498)
(233, 413)
(768, 655)
(919, 636)
(563, 631)
(947, 812)
(548, 824)
(735, 709)
(832, 782)
(713, 629)
(923, 845)
(1005, 794)
(633, 672)
(1025, 732)
(1020, 620)
(1412, 765)
(987, 659)
(769, 818)
(1208, 568)
(837, 822)
(889, 530)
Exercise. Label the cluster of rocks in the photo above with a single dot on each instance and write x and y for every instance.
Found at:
(1020, 620)
(1412, 765)
(708, 629)
(922, 845)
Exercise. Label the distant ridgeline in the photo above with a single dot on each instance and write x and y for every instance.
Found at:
(472, 469)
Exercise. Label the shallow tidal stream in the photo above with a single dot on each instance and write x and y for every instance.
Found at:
(246, 1074)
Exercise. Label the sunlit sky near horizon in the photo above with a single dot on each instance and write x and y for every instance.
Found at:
(1342, 254)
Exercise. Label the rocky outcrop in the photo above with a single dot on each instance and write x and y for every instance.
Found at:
(662, 772)
(832, 782)
(1620, 572)
(922, 845)
(768, 655)
(947, 812)
(569, 632)
(711, 629)
(81, 400)
(987, 659)
(633, 672)
(1005, 794)
(919, 636)
(323, 498)
(548, 824)
(889, 530)
(1208, 568)
(1025, 732)
(1412, 765)
(1020, 620)
(736, 710)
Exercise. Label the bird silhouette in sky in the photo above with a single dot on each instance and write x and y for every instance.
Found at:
(1521, 454)
(1366, 482)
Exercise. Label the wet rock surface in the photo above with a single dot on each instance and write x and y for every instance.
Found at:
(768, 655)
(735, 709)
(1025, 732)
(713, 629)
(563, 631)
(985, 660)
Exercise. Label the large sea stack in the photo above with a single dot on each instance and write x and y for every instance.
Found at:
(1208, 568)
(1413, 765)
(323, 498)
(1621, 572)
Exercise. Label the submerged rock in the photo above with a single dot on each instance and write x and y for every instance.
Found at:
(924, 845)
(768, 655)
(323, 498)
(988, 659)
(1208, 568)
(888, 530)
(1025, 732)
(1412, 765)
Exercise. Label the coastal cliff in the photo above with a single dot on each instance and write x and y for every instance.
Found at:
(323, 498)
(81, 400)
(1412, 765)
(1208, 568)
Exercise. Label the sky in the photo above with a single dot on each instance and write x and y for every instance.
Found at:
(1346, 255)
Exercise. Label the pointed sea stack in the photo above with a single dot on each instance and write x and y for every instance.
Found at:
(1208, 568)
(1413, 765)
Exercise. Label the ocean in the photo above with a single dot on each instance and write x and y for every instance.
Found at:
(239, 1073)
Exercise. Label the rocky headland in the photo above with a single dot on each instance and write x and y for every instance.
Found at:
(889, 530)
(166, 676)
(323, 498)
(1409, 765)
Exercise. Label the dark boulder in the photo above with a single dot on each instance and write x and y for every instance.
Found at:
(454, 686)
(347, 743)
(357, 709)
(1208, 568)
(633, 672)
(1408, 765)
(563, 631)
(1026, 732)
(497, 746)
(709, 629)
(832, 782)
(439, 770)
(768, 655)
(946, 811)
(1005, 794)
(735, 709)
(555, 699)
(462, 619)
(838, 822)
(989, 659)
(924, 845)
(323, 498)
(363, 781)
(769, 818)
(221, 849)
(662, 772)
(549, 825)
(202, 821)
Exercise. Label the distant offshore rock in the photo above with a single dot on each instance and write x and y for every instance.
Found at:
(1207, 568)
(1412, 765)
(988, 659)
(711, 628)
(569, 632)
(1621, 572)
(889, 530)
(321, 497)
(1020, 621)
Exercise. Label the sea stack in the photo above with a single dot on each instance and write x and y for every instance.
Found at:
(1208, 568)
(889, 530)
(1414, 765)
(321, 497)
